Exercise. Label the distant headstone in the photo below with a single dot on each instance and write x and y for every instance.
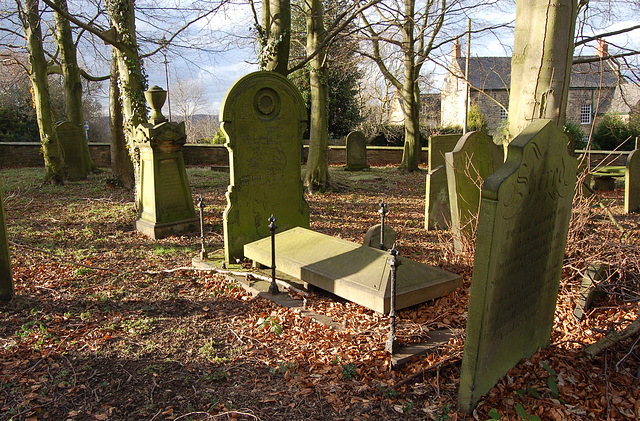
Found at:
(522, 234)
(372, 237)
(263, 117)
(436, 213)
(71, 139)
(632, 183)
(356, 152)
(6, 279)
(474, 158)
(165, 205)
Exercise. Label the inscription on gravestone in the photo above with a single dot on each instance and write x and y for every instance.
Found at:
(632, 183)
(263, 117)
(474, 158)
(356, 151)
(522, 234)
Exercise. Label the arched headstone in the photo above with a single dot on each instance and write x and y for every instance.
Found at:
(263, 117)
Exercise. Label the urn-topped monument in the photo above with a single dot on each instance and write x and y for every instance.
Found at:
(165, 206)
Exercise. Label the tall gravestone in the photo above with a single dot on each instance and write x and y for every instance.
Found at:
(632, 183)
(71, 138)
(263, 117)
(474, 158)
(356, 152)
(165, 205)
(6, 279)
(436, 213)
(522, 234)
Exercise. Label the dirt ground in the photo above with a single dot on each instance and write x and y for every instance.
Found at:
(106, 326)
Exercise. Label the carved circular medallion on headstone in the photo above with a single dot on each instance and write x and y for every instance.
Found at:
(266, 103)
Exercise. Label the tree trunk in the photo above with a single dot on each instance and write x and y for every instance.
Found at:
(121, 164)
(276, 25)
(541, 63)
(410, 94)
(72, 82)
(133, 81)
(317, 175)
(53, 160)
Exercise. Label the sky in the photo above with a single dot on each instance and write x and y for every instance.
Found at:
(215, 72)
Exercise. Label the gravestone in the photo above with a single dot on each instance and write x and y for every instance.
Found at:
(165, 205)
(6, 279)
(522, 234)
(71, 138)
(436, 213)
(356, 152)
(474, 158)
(372, 237)
(263, 117)
(632, 183)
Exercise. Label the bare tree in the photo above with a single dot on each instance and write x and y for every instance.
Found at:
(188, 100)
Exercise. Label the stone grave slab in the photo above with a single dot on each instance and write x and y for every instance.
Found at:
(522, 234)
(632, 183)
(474, 158)
(6, 278)
(437, 214)
(356, 151)
(71, 138)
(357, 273)
(263, 117)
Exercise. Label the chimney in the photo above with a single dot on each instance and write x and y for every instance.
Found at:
(602, 49)
(456, 50)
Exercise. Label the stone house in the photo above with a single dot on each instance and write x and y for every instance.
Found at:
(593, 84)
(429, 110)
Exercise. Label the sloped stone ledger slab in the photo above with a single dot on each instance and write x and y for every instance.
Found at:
(522, 234)
(263, 117)
(357, 273)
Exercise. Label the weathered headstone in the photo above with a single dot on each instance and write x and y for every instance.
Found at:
(590, 289)
(263, 117)
(165, 206)
(372, 237)
(474, 158)
(6, 279)
(522, 234)
(71, 138)
(436, 213)
(632, 183)
(356, 152)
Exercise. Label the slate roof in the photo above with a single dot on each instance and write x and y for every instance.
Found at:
(494, 73)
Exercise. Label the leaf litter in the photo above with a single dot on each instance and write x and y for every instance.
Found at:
(134, 342)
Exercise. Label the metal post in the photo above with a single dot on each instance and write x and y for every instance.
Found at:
(273, 288)
(392, 342)
(382, 211)
(203, 251)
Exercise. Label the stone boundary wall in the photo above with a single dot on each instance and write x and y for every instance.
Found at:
(24, 154)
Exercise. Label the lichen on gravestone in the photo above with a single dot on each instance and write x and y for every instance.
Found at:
(522, 233)
(263, 117)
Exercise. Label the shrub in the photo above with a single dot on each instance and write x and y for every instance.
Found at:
(476, 121)
(575, 134)
(613, 133)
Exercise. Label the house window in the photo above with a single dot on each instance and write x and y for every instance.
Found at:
(585, 114)
(503, 114)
